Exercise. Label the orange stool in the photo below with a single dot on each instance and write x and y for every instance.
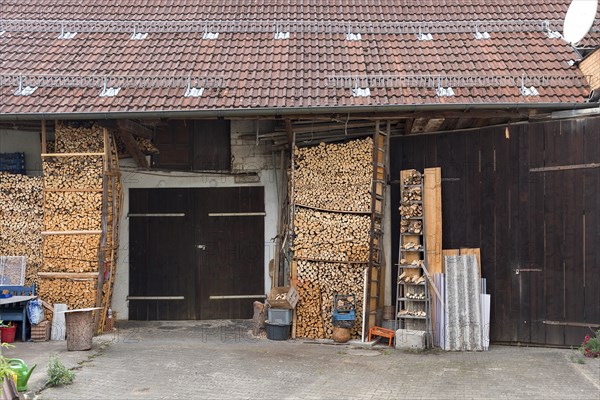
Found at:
(383, 332)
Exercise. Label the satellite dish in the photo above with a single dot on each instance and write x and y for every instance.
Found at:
(579, 19)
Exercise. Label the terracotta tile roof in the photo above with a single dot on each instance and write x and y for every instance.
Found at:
(253, 70)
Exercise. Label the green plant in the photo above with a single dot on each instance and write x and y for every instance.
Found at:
(575, 357)
(591, 345)
(5, 369)
(3, 325)
(58, 374)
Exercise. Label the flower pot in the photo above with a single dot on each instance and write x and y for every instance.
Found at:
(8, 333)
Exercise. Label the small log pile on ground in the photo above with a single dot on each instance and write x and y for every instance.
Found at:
(332, 184)
(309, 322)
(319, 282)
(335, 176)
(342, 279)
(21, 220)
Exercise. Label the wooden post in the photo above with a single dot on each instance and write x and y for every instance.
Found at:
(43, 136)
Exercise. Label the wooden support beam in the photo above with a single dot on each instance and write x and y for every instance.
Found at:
(68, 275)
(82, 232)
(71, 154)
(408, 126)
(289, 130)
(133, 148)
(127, 125)
(43, 136)
(75, 190)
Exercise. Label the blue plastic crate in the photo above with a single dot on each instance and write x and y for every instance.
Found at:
(13, 163)
(344, 315)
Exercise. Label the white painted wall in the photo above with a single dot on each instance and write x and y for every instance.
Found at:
(12, 141)
(246, 157)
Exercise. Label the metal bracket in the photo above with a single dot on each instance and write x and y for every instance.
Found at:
(519, 270)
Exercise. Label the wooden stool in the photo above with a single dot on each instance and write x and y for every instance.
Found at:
(383, 332)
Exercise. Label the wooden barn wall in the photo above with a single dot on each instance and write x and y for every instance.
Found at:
(495, 197)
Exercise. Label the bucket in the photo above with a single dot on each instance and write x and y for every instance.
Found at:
(277, 332)
(80, 329)
(8, 333)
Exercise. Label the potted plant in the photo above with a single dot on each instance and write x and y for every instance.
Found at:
(7, 332)
(591, 346)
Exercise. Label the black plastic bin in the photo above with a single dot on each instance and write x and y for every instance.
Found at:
(277, 332)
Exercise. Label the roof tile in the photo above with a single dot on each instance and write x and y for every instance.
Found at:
(259, 71)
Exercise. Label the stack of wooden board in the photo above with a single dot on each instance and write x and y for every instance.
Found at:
(332, 215)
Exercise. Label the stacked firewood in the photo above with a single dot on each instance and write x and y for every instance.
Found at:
(66, 211)
(331, 236)
(332, 185)
(341, 279)
(79, 137)
(71, 253)
(73, 216)
(73, 172)
(317, 284)
(326, 174)
(79, 293)
(309, 323)
(21, 220)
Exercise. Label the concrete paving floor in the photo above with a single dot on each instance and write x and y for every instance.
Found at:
(221, 360)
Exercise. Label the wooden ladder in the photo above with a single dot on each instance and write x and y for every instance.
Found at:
(375, 270)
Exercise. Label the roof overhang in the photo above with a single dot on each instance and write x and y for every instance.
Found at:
(402, 111)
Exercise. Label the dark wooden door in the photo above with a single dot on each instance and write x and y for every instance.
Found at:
(194, 252)
(230, 259)
(530, 199)
(160, 261)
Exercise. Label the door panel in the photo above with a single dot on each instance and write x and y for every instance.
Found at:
(165, 259)
(233, 262)
(159, 254)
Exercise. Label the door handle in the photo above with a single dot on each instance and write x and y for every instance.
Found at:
(201, 246)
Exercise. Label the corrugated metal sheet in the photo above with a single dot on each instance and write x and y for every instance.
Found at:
(463, 320)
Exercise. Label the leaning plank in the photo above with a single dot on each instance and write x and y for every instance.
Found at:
(450, 252)
(432, 203)
(475, 252)
(295, 284)
(432, 208)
